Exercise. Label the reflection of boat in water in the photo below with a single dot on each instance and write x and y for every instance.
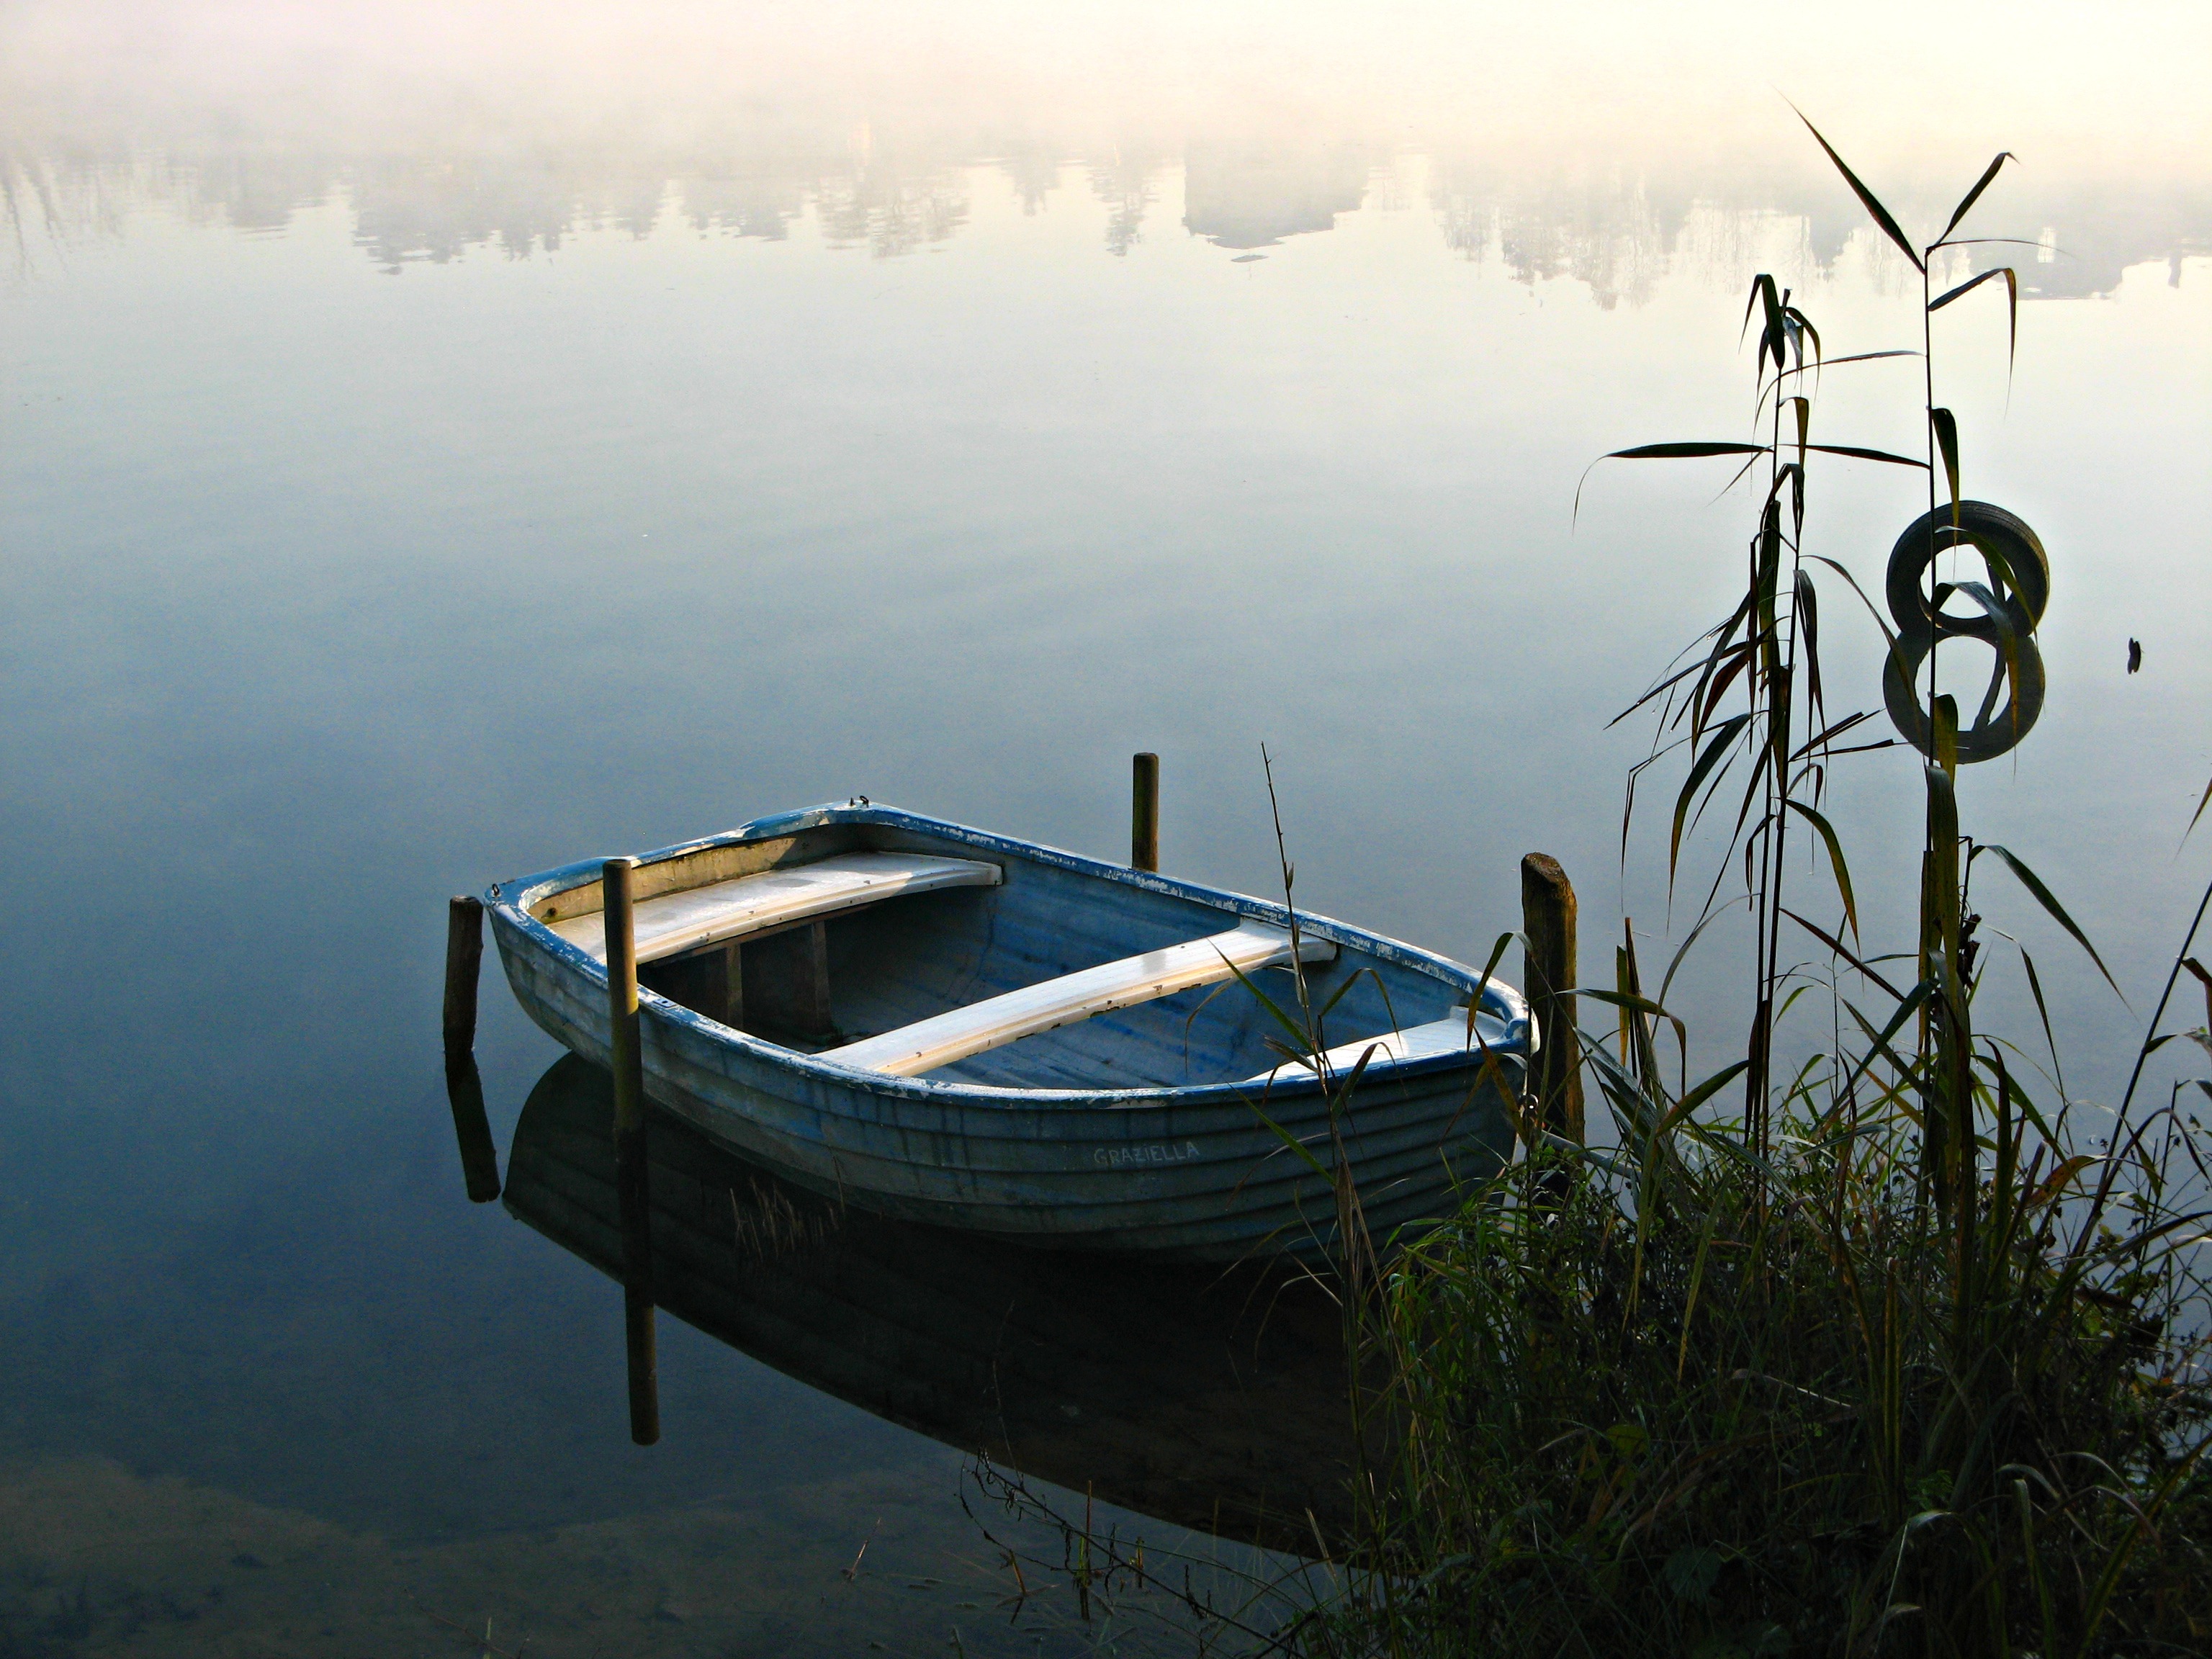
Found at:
(974, 1031)
(1208, 1399)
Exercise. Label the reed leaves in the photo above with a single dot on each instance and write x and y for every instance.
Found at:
(2043, 896)
(1837, 862)
(1854, 453)
(1875, 210)
(2012, 303)
(1966, 203)
(1946, 444)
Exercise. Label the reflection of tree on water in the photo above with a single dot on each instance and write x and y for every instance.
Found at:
(1608, 232)
(747, 201)
(1124, 182)
(889, 212)
(409, 209)
(1249, 195)
(1033, 169)
(1617, 230)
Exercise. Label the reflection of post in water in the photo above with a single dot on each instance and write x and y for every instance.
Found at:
(632, 1195)
(472, 1130)
(464, 1088)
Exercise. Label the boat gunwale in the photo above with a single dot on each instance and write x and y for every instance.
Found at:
(510, 901)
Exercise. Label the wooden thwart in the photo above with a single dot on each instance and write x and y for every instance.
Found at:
(992, 1023)
(672, 923)
(1448, 1035)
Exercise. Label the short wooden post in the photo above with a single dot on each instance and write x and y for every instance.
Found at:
(464, 957)
(471, 1129)
(1547, 923)
(1144, 811)
(632, 1194)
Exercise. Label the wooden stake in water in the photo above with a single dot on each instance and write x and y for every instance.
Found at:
(1144, 811)
(1547, 921)
(633, 1195)
(464, 957)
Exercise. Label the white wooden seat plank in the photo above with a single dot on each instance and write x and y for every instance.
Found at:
(996, 1021)
(1448, 1035)
(670, 923)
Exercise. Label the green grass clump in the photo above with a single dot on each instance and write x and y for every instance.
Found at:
(1693, 1399)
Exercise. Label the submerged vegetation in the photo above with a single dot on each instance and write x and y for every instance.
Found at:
(1874, 1341)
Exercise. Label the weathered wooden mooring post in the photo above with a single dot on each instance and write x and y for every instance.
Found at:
(1145, 810)
(1547, 923)
(464, 958)
(463, 1088)
(633, 1194)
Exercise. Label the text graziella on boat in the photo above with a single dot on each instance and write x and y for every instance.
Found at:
(1114, 1158)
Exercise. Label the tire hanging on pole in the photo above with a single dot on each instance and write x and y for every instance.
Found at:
(2006, 610)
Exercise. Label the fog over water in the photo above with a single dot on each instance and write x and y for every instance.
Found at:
(442, 442)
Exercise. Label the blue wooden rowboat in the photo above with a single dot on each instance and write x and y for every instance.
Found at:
(969, 1031)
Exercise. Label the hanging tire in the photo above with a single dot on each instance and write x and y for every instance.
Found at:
(1995, 728)
(1989, 530)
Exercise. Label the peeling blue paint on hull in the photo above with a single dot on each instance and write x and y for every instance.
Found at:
(1139, 1130)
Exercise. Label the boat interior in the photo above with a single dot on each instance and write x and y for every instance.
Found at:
(895, 950)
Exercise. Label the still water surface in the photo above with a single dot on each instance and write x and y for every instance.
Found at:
(439, 445)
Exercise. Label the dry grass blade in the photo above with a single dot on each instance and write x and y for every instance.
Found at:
(2012, 305)
(1827, 734)
(1682, 452)
(1947, 441)
(1703, 767)
(1835, 363)
(1765, 296)
(1867, 199)
(1965, 288)
(2043, 896)
(1853, 452)
(1965, 206)
(1836, 861)
(2203, 975)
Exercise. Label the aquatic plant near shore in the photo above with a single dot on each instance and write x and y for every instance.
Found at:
(1893, 1360)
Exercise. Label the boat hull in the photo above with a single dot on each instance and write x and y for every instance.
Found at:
(1199, 1171)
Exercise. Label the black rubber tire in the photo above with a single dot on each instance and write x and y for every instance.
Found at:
(1979, 522)
(1985, 739)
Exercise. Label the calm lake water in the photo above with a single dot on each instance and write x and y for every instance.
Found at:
(443, 443)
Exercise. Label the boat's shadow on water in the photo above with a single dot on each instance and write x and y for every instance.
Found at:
(1210, 1398)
